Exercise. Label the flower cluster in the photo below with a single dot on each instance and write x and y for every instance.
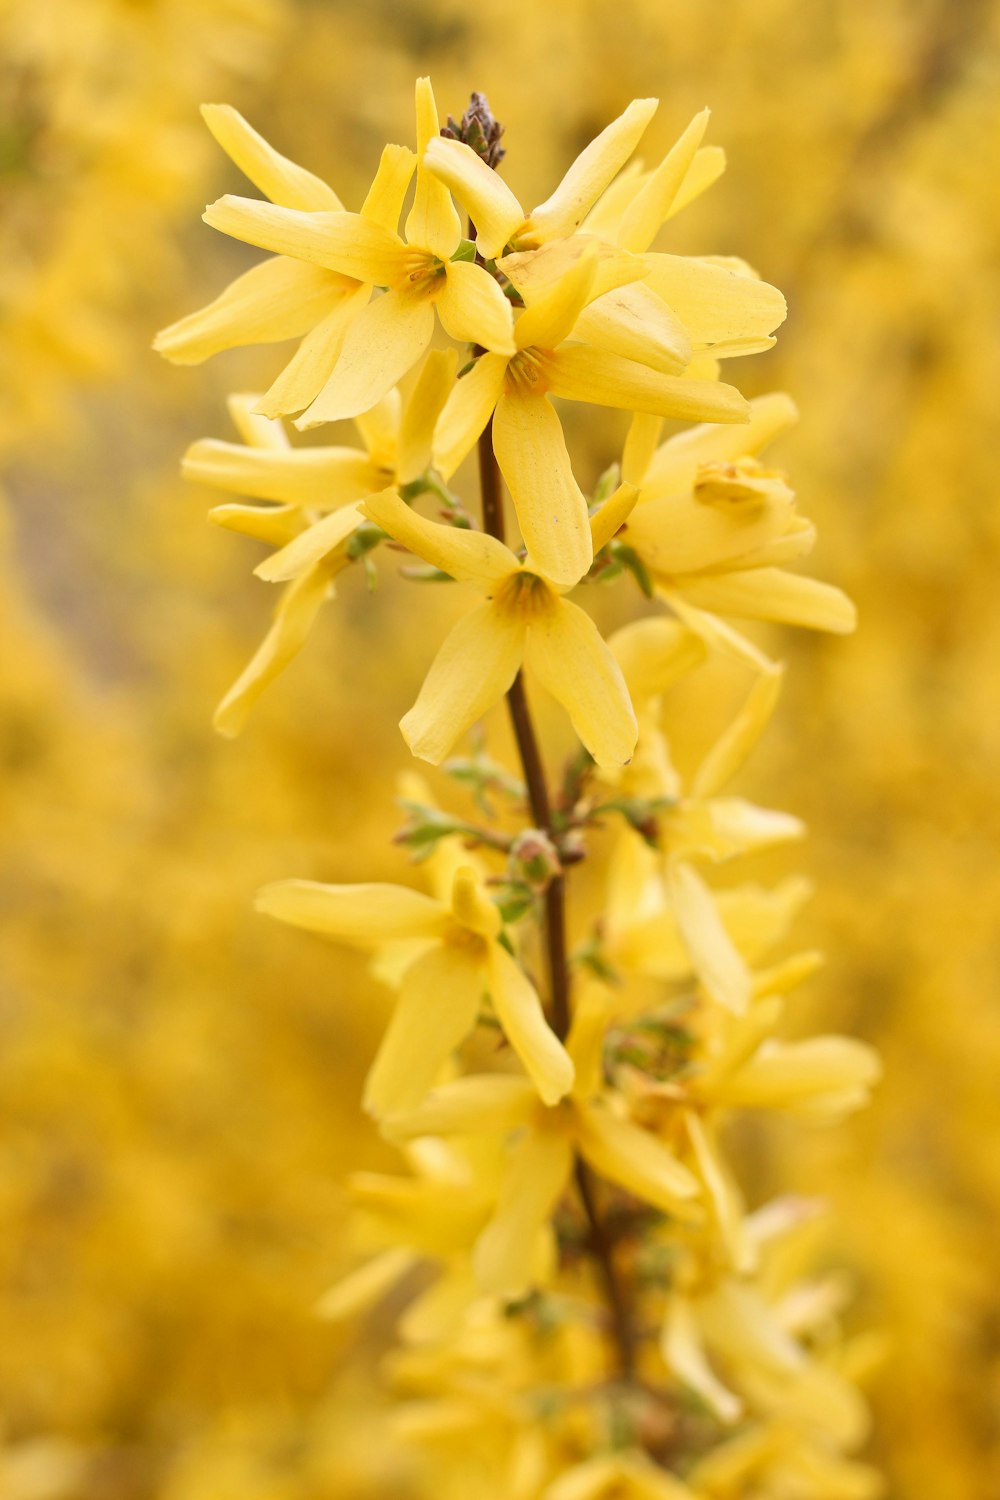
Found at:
(590, 1308)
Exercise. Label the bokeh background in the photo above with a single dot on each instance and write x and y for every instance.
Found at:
(179, 1080)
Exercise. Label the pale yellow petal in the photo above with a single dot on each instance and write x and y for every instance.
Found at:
(439, 1312)
(362, 1289)
(592, 1014)
(384, 341)
(421, 412)
(708, 166)
(714, 957)
(470, 556)
(716, 633)
(533, 272)
(473, 669)
(471, 905)
(313, 362)
(255, 430)
(675, 465)
(654, 653)
(624, 1153)
(275, 524)
(551, 316)
(723, 1195)
(733, 746)
(384, 202)
(293, 620)
(583, 374)
(361, 915)
(279, 299)
(343, 242)
(789, 1075)
(482, 192)
(281, 180)
(433, 223)
(311, 546)
(467, 411)
(473, 309)
(684, 1354)
(634, 322)
(772, 594)
(378, 428)
(590, 174)
(678, 536)
(477, 1104)
(551, 511)
(324, 477)
(716, 304)
(568, 655)
(640, 446)
(651, 206)
(520, 1013)
(438, 1004)
(606, 522)
(537, 1175)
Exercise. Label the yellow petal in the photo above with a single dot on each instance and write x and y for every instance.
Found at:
(275, 524)
(506, 1251)
(654, 654)
(313, 362)
(383, 343)
(583, 374)
(359, 915)
(467, 411)
(640, 446)
(551, 316)
(366, 1286)
(708, 166)
(421, 412)
(378, 428)
(714, 957)
(473, 669)
(675, 466)
(723, 1195)
(566, 652)
(716, 304)
(384, 202)
(634, 322)
(470, 556)
(624, 1153)
(255, 430)
(299, 476)
(608, 521)
(473, 309)
(590, 174)
(651, 206)
(293, 620)
(279, 299)
(311, 546)
(733, 746)
(716, 634)
(278, 178)
(343, 242)
(478, 1104)
(684, 1353)
(837, 1071)
(533, 272)
(551, 511)
(520, 1013)
(482, 192)
(470, 905)
(772, 594)
(592, 1014)
(433, 223)
(438, 1004)
(677, 536)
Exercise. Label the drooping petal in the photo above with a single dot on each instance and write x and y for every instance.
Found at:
(606, 522)
(366, 1286)
(628, 1155)
(717, 304)
(275, 524)
(551, 510)
(279, 299)
(312, 364)
(733, 746)
(293, 620)
(634, 322)
(470, 556)
(482, 192)
(383, 343)
(568, 655)
(678, 536)
(473, 309)
(279, 179)
(520, 1013)
(476, 1104)
(583, 374)
(537, 1174)
(384, 202)
(421, 412)
(467, 411)
(674, 467)
(714, 956)
(360, 915)
(311, 546)
(833, 1073)
(772, 594)
(551, 316)
(433, 223)
(438, 1003)
(256, 431)
(590, 174)
(343, 242)
(475, 666)
(654, 653)
(324, 477)
(684, 1353)
(651, 206)
(640, 446)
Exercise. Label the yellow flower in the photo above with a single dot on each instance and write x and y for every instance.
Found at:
(390, 334)
(629, 1475)
(441, 990)
(524, 619)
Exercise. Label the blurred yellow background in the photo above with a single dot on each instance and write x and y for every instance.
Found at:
(179, 1081)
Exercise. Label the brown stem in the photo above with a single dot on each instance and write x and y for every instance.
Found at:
(599, 1242)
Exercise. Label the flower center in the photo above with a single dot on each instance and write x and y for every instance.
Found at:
(423, 274)
(526, 373)
(526, 596)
